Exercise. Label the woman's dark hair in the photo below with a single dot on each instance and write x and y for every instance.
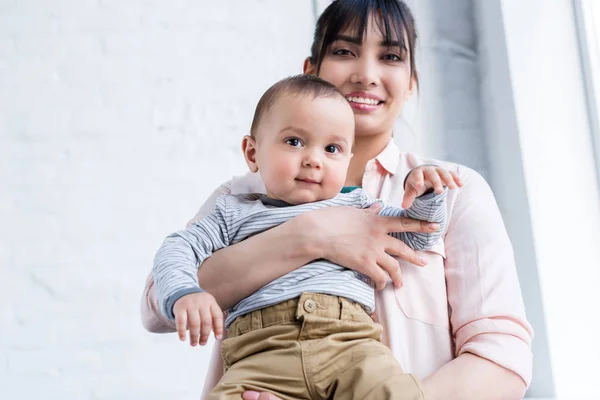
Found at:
(393, 18)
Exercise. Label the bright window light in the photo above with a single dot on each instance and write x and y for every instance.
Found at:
(588, 21)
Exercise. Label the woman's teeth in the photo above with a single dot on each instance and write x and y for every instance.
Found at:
(363, 100)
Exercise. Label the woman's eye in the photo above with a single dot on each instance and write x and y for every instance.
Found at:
(342, 52)
(333, 148)
(392, 57)
(294, 142)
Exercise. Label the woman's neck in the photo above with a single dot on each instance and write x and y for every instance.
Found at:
(365, 149)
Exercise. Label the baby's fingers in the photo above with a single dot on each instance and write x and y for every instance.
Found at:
(194, 325)
(181, 323)
(447, 178)
(457, 179)
(217, 317)
(415, 185)
(205, 328)
(432, 176)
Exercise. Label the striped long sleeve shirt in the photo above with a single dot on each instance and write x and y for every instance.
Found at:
(236, 217)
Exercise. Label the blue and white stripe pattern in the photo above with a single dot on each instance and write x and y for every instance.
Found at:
(235, 218)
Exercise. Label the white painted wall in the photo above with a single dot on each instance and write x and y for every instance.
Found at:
(117, 118)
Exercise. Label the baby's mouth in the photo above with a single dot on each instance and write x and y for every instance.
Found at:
(306, 180)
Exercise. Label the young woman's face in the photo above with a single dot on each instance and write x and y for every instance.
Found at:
(374, 76)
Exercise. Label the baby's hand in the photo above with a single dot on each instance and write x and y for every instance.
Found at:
(426, 177)
(198, 312)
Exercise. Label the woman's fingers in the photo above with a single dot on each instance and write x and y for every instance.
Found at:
(253, 395)
(372, 269)
(405, 224)
(390, 265)
(399, 249)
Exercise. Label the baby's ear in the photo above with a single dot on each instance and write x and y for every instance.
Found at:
(249, 149)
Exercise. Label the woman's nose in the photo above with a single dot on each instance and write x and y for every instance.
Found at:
(365, 72)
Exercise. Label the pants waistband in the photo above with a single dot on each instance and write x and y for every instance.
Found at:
(308, 304)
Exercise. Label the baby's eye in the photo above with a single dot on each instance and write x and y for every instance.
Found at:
(294, 142)
(333, 148)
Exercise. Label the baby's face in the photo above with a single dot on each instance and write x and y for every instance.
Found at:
(304, 148)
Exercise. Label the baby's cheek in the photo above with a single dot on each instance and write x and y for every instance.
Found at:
(281, 173)
(336, 180)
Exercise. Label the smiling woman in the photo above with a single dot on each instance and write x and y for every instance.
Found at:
(301, 173)
(457, 325)
(355, 48)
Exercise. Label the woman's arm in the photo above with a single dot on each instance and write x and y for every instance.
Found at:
(235, 272)
(152, 318)
(357, 239)
(471, 377)
(492, 335)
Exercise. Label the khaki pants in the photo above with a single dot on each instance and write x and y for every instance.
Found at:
(313, 347)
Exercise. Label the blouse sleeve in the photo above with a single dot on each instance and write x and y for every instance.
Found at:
(486, 305)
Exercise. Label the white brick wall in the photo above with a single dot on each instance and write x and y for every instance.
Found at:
(117, 118)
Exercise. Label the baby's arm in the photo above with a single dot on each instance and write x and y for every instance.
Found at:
(178, 259)
(429, 207)
(426, 184)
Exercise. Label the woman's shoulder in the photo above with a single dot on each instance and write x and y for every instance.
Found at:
(408, 161)
(475, 187)
(247, 183)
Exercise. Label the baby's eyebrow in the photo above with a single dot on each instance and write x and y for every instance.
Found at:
(294, 129)
(339, 139)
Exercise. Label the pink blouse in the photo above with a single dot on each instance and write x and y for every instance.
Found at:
(467, 298)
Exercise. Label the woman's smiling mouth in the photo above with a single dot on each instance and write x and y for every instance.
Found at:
(364, 101)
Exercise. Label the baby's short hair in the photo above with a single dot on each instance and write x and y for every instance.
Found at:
(304, 84)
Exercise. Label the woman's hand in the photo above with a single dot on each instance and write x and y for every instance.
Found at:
(252, 395)
(358, 240)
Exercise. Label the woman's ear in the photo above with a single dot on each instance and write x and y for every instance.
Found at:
(309, 68)
(411, 88)
(249, 148)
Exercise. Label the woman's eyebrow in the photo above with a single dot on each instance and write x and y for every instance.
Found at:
(383, 43)
(350, 39)
(390, 43)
